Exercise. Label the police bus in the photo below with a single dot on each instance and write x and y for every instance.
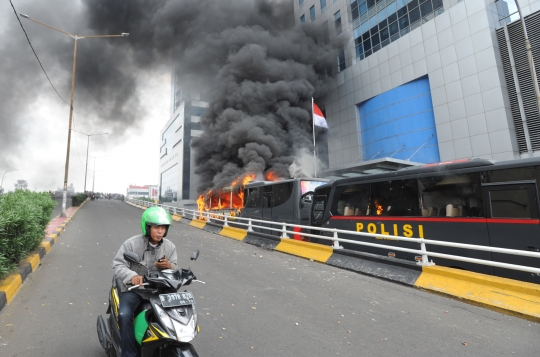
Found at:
(472, 201)
(287, 201)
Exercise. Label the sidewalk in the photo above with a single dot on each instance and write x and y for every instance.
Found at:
(57, 221)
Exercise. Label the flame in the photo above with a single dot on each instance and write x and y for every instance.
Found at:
(379, 208)
(230, 198)
(271, 176)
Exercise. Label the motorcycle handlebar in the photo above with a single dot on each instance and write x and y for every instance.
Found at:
(137, 286)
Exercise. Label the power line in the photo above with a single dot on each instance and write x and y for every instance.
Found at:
(35, 52)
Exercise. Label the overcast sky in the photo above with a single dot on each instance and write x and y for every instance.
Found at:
(34, 120)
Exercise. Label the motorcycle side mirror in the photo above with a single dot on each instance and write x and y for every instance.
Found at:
(194, 255)
(132, 257)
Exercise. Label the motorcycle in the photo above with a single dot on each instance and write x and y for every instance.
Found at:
(165, 324)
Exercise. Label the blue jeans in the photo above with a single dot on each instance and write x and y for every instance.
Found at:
(128, 303)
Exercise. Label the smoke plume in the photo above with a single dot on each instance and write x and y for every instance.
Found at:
(257, 68)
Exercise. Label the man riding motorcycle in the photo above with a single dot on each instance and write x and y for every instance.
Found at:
(157, 253)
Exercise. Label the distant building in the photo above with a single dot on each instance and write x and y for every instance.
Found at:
(177, 179)
(148, 191)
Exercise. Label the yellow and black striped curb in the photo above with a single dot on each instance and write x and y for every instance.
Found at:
(10, 286)
(504, 295)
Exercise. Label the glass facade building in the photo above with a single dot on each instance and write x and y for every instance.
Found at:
(377, 23)
(427, 75)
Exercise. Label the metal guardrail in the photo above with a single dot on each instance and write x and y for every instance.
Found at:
(422, 251)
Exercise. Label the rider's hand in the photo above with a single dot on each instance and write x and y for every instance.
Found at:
(137, 280)
(163, 263)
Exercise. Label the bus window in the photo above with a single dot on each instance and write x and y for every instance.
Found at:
(307, 186)
(318, 209)
(509, 175)
(282, 193)
(451, 196)
(253, 198)
(510, 203)
(394, 198)
(351, 201)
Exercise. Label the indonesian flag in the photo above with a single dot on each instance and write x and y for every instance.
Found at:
(318, 117)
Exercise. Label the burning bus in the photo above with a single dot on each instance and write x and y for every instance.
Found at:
(271, 199)
(287, 201)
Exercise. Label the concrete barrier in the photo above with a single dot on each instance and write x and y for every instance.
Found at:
(510, 296)
(234, 233)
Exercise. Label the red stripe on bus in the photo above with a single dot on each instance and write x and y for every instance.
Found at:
(513, 221)
(434, 219)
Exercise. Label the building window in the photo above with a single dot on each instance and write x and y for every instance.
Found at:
(341, 59)
(323, 6)
(169, 184)
(377, 23)
(171, 135)
(312, 13)
(337, 22)
(302, 18)
(300, 2)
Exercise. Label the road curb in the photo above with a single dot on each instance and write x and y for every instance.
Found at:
(10, 286)
(508, 296)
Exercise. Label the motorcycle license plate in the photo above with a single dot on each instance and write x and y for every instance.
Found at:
(177, 299)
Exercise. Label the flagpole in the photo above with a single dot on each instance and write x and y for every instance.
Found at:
(314, 147)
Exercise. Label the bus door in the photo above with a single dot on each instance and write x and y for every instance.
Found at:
(268, 199)
(513, 222)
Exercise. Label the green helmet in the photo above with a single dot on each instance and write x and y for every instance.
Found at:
(155, 216)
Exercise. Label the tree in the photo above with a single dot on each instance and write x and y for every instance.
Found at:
(21, 184)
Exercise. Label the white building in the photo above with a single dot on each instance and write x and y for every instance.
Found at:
(177, 179)
(428, 80)
(148, 191)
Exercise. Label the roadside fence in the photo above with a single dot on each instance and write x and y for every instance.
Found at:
(335, 236)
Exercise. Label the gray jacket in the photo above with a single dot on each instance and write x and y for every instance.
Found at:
(148, 254)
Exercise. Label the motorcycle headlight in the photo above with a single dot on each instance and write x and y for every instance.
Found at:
(185, 333)
(163, 317)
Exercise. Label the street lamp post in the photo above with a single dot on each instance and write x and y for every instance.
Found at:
(87, 149)
(76, 38)
(94, 178)
(2, 184)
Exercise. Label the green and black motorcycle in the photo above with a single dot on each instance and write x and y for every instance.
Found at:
(165, 324)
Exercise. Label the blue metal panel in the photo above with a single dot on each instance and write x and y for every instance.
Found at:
(403, 115)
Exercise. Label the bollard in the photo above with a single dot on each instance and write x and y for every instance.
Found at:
(424, 262)
(336, 242)
(250, 228)
(284, 232)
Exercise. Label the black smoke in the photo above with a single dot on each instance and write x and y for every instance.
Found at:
(258, 69)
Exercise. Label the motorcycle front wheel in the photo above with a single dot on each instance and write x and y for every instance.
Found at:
(186, 350)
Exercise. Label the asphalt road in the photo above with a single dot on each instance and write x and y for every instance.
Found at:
(255, 302)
